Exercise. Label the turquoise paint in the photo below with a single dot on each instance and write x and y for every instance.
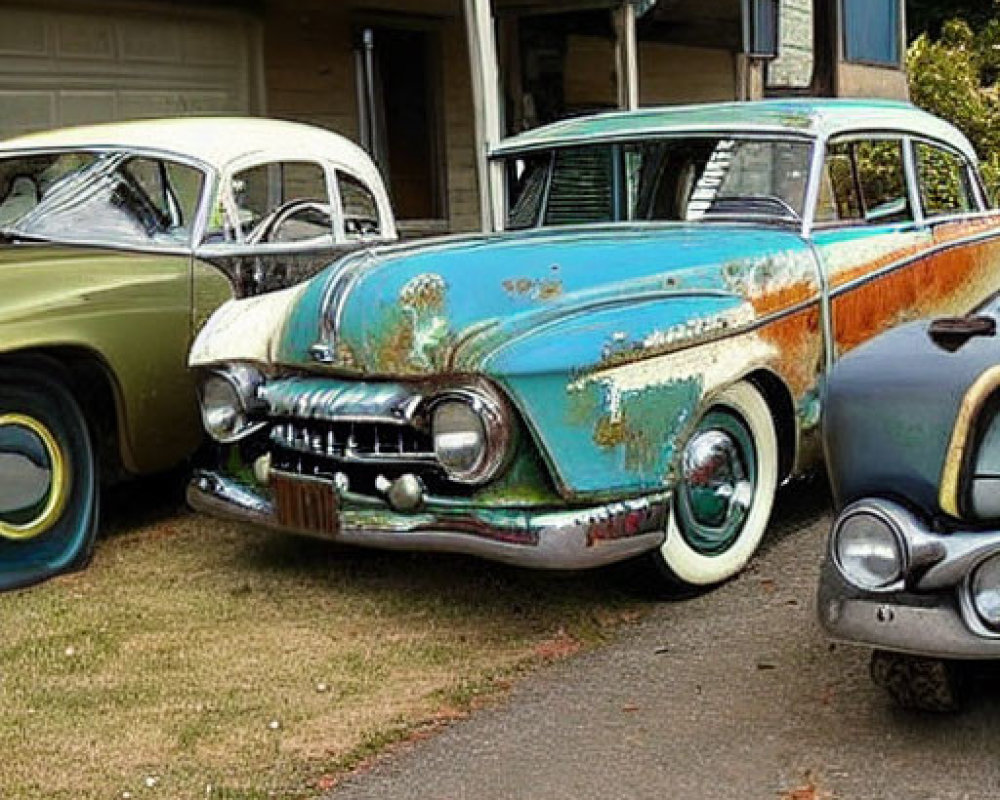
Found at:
(535, 311)
(563, 272)
(812, 117)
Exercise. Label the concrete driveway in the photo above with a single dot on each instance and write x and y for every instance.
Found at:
(734, 695)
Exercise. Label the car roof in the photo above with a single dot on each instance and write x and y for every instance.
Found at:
(215, 141)
(813, 117)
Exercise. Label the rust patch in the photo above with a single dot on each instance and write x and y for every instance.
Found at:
(611, 433)
(393, 349)
(952, 281)
(534, 289)
(799, 343)
(424, 293)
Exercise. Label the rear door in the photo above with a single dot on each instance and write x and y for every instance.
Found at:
(870, 237)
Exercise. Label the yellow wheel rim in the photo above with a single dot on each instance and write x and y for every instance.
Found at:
(59, 487)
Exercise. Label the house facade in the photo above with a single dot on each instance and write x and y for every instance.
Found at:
(428, 86)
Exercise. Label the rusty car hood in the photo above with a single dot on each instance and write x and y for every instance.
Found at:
(455, 304)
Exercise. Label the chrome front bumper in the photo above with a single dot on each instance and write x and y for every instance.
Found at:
(932, 613)
(563, 540)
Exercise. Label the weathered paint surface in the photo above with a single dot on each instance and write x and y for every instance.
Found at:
(943, 269)
(130, 310)
(590, 332)
(612, 341)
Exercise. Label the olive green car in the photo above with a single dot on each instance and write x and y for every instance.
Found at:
(116, 243)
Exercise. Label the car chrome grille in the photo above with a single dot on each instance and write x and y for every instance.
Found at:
(351, 441)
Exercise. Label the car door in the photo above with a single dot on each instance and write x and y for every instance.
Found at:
(902, 233)
(869, 236)
(139, 299)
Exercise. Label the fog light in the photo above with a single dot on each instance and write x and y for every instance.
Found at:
(986, 592)
(868, 551)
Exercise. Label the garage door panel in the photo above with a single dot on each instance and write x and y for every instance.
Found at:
(64, 68)
(23, 33)
(79, 37)
(136, 105)
(140, 41)
(23, 112)
(85, 108)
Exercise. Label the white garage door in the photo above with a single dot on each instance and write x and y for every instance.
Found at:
(66, 68)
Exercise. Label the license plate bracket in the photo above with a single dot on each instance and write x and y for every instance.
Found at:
(307, 505)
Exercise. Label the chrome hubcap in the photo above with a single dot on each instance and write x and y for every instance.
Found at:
(718, 483)
(32, 477)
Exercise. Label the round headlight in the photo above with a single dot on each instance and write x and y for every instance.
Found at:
(221, 408)
(985, 588)
(459, 437)
(868, 551)
(471, 436)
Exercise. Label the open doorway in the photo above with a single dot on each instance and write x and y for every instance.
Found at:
(399, 78)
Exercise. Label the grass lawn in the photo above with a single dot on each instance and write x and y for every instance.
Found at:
(198, 659)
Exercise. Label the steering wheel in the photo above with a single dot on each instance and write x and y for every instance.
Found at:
(263, 232)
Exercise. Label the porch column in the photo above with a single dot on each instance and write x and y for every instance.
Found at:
(486, 101)
(627, 48)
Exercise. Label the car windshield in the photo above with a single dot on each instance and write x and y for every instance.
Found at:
(118, 199)
(691, 179)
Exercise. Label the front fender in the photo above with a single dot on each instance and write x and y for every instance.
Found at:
(890, 410)
(610, 394)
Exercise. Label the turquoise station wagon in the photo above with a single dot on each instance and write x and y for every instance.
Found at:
(631, 369)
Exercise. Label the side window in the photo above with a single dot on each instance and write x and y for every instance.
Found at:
(882, 179)
(944, 181)
(361, 218)
(864, 183)
(282, 202)
(838, 190)
(581, 189)
(526, 179)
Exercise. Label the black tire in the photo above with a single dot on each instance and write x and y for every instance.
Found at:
(39, 416)
(920, 684)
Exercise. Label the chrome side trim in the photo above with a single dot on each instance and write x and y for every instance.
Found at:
(559, 540)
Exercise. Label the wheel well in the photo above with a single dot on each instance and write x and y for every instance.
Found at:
(779, 400)
(91, 381)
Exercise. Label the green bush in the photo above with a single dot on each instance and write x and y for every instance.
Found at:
(956, 78)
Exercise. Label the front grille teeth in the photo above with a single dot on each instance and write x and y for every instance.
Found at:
(370, 442)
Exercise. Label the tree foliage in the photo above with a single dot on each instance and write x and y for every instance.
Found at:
(956, 77)
(929, 16)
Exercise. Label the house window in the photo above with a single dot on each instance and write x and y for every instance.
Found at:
(760, 28)
(872, 31)
(398, 76)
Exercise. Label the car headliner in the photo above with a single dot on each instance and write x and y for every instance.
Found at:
(812, 117)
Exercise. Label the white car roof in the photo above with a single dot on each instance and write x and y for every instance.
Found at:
(215, 141)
